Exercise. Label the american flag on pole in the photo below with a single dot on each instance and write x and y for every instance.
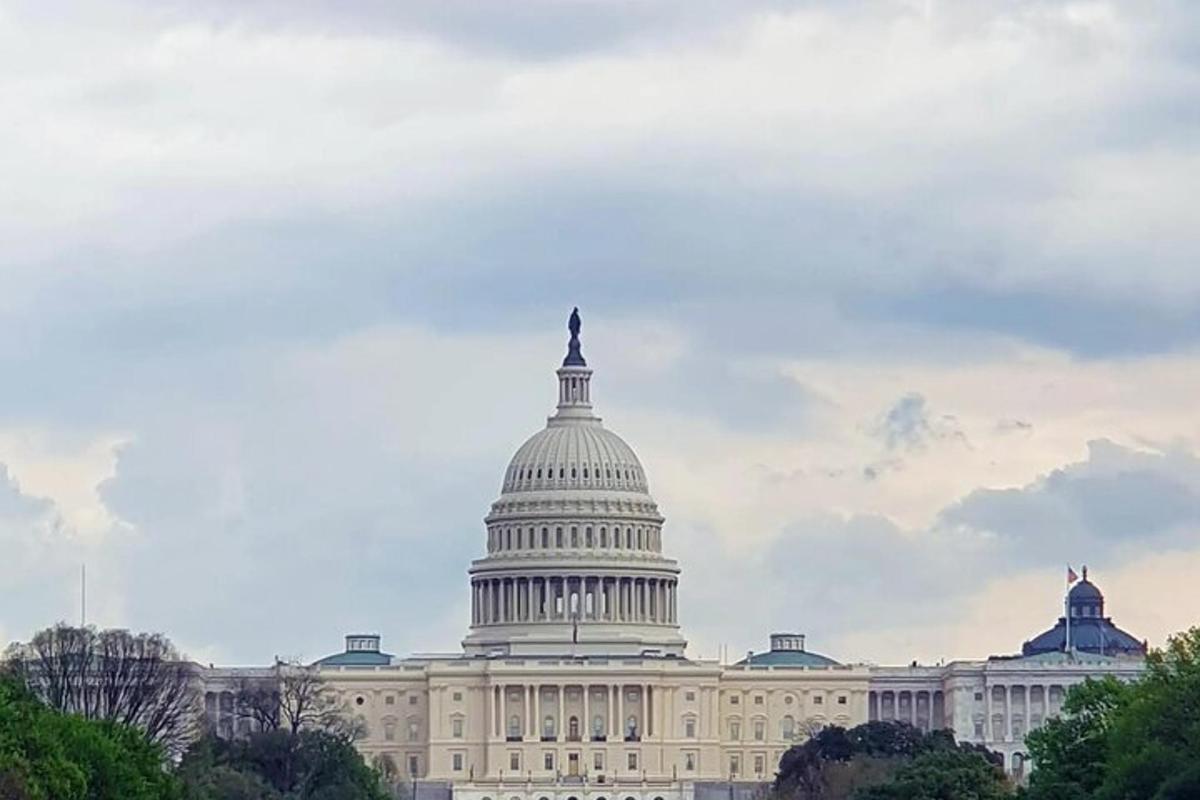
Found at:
(1071, 576)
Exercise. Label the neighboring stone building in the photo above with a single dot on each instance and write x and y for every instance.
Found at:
(574, 684)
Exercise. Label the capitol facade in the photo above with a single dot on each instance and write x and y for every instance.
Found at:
(574, 681)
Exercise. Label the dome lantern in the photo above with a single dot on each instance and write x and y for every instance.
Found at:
(574, 377)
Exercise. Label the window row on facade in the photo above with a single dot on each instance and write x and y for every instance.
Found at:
(573, 537)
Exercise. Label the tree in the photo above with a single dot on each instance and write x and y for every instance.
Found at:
(137, 680)
(1070, 752)
(48, 755)
(270, 765)
(296, 699)
(943, 774)
(893, 759)
(1117, 741)
(1154, 736)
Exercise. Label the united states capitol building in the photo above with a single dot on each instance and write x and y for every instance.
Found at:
(574, 681)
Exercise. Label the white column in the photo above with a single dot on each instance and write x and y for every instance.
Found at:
(614, 718)
(987, 696)
(1026, 724)
(559, 733)
(644, 726)
(529, 718)
(1008, 718)
(537, 711)
(586, 728)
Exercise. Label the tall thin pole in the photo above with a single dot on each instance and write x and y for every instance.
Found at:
(1067, 614)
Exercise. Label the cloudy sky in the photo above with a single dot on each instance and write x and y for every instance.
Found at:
(898, 300)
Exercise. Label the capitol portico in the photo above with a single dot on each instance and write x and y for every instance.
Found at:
(574, 682)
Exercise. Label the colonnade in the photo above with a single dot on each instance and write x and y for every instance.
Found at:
(920, 708)
(571, 712)
(1008, 721)
(1007, 711)
(570, 598)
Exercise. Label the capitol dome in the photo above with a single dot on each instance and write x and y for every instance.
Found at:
(575, 455)
(574, 549)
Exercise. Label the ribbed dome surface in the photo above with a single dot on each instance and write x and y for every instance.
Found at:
(575, 454)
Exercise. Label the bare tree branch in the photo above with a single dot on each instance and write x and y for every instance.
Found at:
(138, 680)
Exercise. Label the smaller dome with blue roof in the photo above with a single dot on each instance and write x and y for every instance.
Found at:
(1089, 631)
(787, 650)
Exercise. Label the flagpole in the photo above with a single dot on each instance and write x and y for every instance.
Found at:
(1067, 616)
(1071, 577)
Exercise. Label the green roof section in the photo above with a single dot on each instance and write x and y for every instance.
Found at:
(362, 650)
(356, 660)
(787, 650)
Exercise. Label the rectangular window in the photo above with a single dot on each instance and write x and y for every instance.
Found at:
(631, 759)
(689, 696)
(412, 699)
(458, 697)
(598, 761)
(456, 727)
(390, 700)
(689, 762)
(818, 700)
(548, 761)
(760, 730)
(733, 700)
(735, 766)
(689, 728)
(759, 765)
(735, 731)
(758, 699)
(514, 761)
(414, 766)
(842, 700)
(457, 762)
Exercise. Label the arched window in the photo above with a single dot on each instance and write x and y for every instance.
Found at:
(548, 727)
(558, 538)
(573, 729)
(574, 537)
(604, 537)
(787, 728)
(545, 538)
(587, 538)
(514, 726)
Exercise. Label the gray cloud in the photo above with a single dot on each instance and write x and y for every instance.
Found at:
(909, 425)
(1116, 499)
(832, 573)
